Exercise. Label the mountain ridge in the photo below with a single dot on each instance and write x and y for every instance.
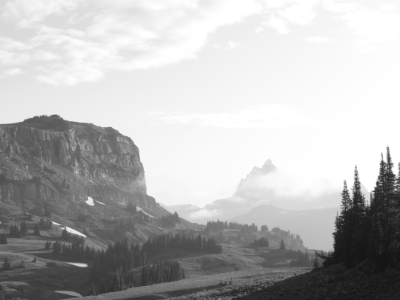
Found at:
(50, 158)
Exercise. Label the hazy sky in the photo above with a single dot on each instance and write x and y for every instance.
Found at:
(210, 88)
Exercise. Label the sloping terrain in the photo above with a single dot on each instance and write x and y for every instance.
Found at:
(337, 283)
(203, 287)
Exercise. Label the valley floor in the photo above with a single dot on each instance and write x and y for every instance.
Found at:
(207, 286)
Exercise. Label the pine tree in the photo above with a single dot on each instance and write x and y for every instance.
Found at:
(390, 197)
(360, 235)
(3, 239)
(23, 228)
(36, 230)
(282, 245)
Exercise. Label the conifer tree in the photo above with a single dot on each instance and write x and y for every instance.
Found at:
(359, 222)
(36, 230)
(23, 228)
(3, 239)
(282, 245)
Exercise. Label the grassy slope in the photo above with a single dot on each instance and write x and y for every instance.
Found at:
(39, 280)
(198, 283)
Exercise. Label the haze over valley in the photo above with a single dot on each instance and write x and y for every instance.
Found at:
(192, 149)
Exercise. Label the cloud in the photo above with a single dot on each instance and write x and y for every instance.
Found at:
(93, 37)
(204, 214)
(68, 42)
(318, 40)
(375, 26)
(257, 117)
(11, 72)
(278, 24)
(299, 182)
(233, 45)
(281, 14)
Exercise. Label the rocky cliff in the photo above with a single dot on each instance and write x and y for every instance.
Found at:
(48, 158)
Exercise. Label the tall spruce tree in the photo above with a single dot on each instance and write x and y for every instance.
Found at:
(359, 222)
(390, 197)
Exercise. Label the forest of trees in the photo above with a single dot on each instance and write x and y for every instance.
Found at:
(170, 220)
(65, 235)
(261, 242)
(164, 271)
(197, 243)
(220, 225)
(18, 231)
(300, 259)
(74, 250)
(369, 230)
(45, 224)
(112, 269)
(284, 233)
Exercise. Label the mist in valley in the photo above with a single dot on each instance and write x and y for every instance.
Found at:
(197, 149)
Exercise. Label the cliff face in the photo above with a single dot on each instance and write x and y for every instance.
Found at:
(49, 158)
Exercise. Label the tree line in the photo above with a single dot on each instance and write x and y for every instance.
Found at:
(284, 233)
(195, 243)
(369, 230)
(170, 220)
(300, 259)
(220, 226)
(112, 269)
(261, 242)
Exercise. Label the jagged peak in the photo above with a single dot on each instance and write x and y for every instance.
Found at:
(268, 166)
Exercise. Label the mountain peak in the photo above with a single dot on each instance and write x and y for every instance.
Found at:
(268, 166)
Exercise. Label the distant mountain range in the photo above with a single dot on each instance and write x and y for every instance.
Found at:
(257, 200)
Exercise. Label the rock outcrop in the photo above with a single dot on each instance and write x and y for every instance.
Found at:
(48, 158)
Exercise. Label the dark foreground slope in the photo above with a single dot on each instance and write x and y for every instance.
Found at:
(336, 283)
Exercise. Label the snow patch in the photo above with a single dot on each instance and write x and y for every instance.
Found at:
(89, 201)
(79, 265)
(69, 229)
(140, 209)
(73, 231)
(100, 202)
(69, 293)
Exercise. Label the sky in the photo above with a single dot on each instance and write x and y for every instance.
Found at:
(207, 89)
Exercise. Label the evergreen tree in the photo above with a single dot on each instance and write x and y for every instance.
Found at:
(36, 230)
(23, 228)
(372, 230)
(282, 245)
(3, 239)
(359, 222)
